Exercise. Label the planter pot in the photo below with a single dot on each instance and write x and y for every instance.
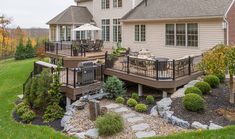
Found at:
(75, 52)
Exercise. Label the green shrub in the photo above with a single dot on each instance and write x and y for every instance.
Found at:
(141, 108)
(212, 80)
(150, 99)
(52, 113)
(114, 86)
(21, 108)
(193, 102)
(135, 96)
(120, 100)
(193, 90)
(132, 102)
(203, 86)
(109, 124)
(28, 116)
(221, 76)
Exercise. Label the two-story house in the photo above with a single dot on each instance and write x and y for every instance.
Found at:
(105, 14)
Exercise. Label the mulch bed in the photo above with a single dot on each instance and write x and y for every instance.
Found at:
(39, 121)
(218, 98)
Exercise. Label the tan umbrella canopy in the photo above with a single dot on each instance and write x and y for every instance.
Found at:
(87, 27)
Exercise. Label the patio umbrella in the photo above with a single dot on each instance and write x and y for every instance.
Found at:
(87, 27)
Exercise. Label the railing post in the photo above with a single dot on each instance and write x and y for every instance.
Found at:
(61, 45)
(71, 50)
(128, 64)
(189, 65)
(105, 59)
(173, 69)
(67, 76)
(102, 73)
(45, 47)
(156, 67)
(74, 78)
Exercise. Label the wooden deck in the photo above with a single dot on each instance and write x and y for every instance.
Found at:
(165, 85)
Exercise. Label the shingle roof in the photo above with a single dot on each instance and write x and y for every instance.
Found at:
(174, 9)
(73, 15)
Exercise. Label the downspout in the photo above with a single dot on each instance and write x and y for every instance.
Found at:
(227, 31)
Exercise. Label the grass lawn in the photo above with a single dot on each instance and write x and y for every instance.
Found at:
(12, 76)
(225, 133)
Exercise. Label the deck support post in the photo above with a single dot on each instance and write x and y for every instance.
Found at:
(164, 94)
(140, 90)
(68, 101)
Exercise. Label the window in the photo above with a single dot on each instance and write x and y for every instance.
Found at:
(182, 34)
(192, 34)
(140, 32)
(68, 33)
(117, 32)
(62, 33)
(170, 34)
(53, 33)
(105, 29)
(80, 35)
(104, 4)
(117, 3)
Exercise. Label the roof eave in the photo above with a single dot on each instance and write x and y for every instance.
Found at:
(169, 19)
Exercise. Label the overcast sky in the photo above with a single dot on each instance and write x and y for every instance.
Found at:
(33, 13)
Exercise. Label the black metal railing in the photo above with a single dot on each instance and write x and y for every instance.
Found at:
(156, 69)
(65, 48)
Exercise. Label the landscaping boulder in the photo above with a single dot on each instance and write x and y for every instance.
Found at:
(198, 125)
(154, 112)
(213, 126)
(179, 122)
(178, 93)
(191, 84)
(167, 115)
(164, 105)
(65, 120)
(92, 133)
(79, 105)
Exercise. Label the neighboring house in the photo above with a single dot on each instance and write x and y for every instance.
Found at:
(105, 14)
(176, 28)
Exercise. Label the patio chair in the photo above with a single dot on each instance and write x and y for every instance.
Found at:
(98, 44)
(90, 47)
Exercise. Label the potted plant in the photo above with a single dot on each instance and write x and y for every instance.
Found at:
(75, 49)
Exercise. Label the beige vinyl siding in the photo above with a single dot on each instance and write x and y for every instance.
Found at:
(210, 34)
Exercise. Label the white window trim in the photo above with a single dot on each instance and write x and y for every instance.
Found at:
(139, 33)
(186, 39)
(105, 2)
(118, 6)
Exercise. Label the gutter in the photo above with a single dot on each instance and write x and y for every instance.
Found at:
(227, 31)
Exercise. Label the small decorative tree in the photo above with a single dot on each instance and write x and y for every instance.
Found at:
(230, 62)
(114, 86)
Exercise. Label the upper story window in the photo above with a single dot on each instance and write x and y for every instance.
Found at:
(117, 32)
(105, 4)
(117, 3)
(105, 23)
(140, 33)
(53, 33)
(182, 34)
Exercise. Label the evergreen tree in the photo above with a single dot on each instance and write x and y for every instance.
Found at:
(20, 51)
(29, 50)
(33, 91)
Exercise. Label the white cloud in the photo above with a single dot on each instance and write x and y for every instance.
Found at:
(33, 13)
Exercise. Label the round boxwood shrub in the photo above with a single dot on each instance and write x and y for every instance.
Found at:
(212, 80)
(132, 102)
(28, 116)
(203, 86)
(109, 124)
(21, 108)
(135, 96)
(141, 108)
(53, 112)
(120, 100)
(193, 102)
(193, 90)
(150, 99)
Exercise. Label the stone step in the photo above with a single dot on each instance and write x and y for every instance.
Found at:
(128, 115)
(140, 127)
(135, 119)
(143, 134)
(112, 106)
(121, 110)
